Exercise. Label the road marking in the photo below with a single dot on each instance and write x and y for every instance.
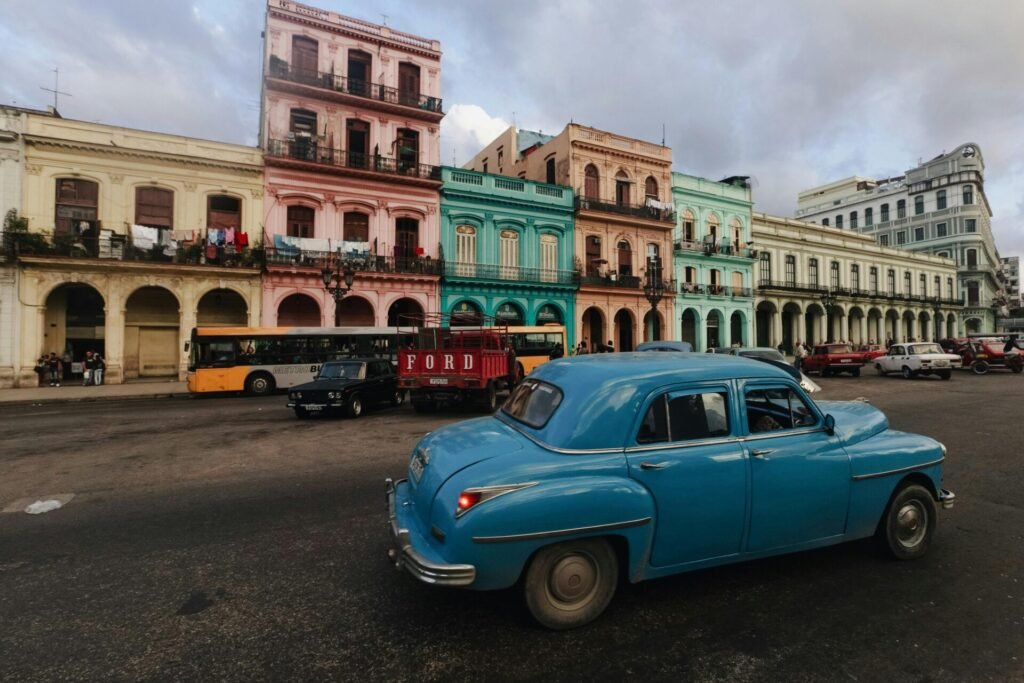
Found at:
(21, 504)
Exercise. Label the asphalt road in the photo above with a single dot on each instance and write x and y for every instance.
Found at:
(223, 539)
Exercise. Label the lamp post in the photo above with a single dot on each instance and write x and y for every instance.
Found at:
(654, 290)
(936, 306)
(828, 300)
(338, 283)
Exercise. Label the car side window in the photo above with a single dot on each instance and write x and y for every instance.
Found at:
(654, 428)
(770, 410)
(698, 416)
(896, 351)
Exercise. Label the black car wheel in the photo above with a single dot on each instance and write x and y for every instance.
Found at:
(354, 406)
(879, 370)
(569, 584)
(945, 374)
(398, 398)
(856, 372)
(905, 531)
(979, 367)
(259, 384)
(907, 372)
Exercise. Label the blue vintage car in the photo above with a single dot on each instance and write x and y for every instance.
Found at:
(648, 465)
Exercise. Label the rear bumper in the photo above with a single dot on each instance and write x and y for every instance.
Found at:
(946, 499)
(404, 554)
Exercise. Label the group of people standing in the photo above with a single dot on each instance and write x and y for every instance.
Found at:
(52, 368)
(583, 349)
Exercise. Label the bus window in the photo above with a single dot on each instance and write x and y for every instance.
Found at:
(215, 354)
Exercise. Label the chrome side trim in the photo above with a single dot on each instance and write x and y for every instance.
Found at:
(909, 468)
(561, 532)
(674, 445)
(556, 449)
(782, 432)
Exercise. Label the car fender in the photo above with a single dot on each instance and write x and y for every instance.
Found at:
(879, 464)
(500, 535)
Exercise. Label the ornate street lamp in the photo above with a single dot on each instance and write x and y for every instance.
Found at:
(936, 307)
(828, 300)
(338, 283)
(654, 290)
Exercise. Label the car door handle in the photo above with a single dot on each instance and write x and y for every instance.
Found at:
(653, 465)
(761, 452)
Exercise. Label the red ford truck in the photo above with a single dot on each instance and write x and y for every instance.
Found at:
(456, 365)
(832, 359)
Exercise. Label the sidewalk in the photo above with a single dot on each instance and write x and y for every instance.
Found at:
(74, 392)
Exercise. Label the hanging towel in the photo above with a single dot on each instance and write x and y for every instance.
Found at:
(229, 236)
(144, 237)
(314, 244)
(242, 239)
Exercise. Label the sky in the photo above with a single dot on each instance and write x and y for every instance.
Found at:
(794, 93)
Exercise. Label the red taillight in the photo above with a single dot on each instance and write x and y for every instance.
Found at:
(468, 500)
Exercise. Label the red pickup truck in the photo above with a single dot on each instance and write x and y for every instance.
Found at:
(833, 359)
(467, 364)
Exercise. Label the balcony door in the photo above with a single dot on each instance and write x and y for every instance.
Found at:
(408, 84)
(407, 238)
(625, 259)
(593, 256)
(408, 150)
(359, 72)
(591, 182)
(302, 126)
(357, 137)
(621, 189)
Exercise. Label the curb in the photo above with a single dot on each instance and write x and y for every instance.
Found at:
(94, 399)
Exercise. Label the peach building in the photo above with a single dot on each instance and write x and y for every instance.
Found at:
(624, 219)
(350, 129)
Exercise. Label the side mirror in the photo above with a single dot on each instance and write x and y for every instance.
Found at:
(830, 425)
(187, 345)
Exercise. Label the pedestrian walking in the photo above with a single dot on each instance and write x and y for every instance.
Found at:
(610, 348)
(581, 348)
(798, 355)
(87, 368)
(41, 369)
(55, 367)
(98, 368)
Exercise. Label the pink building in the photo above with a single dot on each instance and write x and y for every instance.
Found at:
(350, 126)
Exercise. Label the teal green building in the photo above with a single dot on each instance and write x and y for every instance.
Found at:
(713, 259)
(507, 245)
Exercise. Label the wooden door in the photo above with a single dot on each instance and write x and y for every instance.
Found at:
(408, 84)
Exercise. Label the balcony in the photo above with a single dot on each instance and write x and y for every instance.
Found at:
(713, 290)
(710, 248)
(479, 271)
(110, 247)
(620, 282)
(817, 289)
(309, 154)
(315, 260)
(650, 213)
(355, 91)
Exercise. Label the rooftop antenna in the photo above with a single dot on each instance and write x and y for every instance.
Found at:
(385, 17)
(56, 87)
(663, 134)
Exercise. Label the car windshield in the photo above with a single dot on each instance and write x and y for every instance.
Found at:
(918, 349)
(533, 403)
(342, 371)
(840, 348)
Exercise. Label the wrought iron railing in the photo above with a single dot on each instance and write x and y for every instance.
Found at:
(700, 289)
(110, 246)
(626, 209)
(792, 286)
(709, 248)
(370, 263)
(352, 86)
(309, 149)
(480, 271)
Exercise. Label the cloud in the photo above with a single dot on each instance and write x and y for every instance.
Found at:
(794, 93)
(465, 129)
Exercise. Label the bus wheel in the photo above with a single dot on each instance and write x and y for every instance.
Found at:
(487, 401)
(259, 384)
(519, 375)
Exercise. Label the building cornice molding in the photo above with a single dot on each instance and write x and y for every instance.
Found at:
(139, 268)
(312, 22)
(130, 153)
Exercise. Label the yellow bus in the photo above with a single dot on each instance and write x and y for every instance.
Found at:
(534, 345)
(259, 360)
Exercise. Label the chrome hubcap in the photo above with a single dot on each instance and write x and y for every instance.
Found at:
(573, 579)
(357, 407)
(911, 524)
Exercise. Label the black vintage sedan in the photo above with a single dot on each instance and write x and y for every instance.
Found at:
(347, 386)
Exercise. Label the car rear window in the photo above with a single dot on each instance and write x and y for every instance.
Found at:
(533, 403)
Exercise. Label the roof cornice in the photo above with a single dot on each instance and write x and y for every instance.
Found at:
(127, 152)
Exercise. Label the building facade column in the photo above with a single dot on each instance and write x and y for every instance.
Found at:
(844, 327)
(776, 327)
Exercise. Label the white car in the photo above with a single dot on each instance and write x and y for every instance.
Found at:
(918, 358)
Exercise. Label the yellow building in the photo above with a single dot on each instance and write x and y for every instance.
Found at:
(134, 238)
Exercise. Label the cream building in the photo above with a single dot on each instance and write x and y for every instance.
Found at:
(870, 293)
(121, 256)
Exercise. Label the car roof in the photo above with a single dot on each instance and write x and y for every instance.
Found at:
(351, 360)
(748, 349)
(602, 393)
(675, 345)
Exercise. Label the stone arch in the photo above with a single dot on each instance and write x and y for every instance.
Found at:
(857, 325)
(715, 328)
(298, 309)
(925, 331)
(689, 327)
(152, 322)
(222, 307)
(355, 311)
(764, 318)
(814, 324)
(466, 312)
(737, 328)
(654, 325)
(405, 311)
(74, 322)
(510, 312)
(624, 338)
(909, 322)
(592, 327)
(552, 312)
